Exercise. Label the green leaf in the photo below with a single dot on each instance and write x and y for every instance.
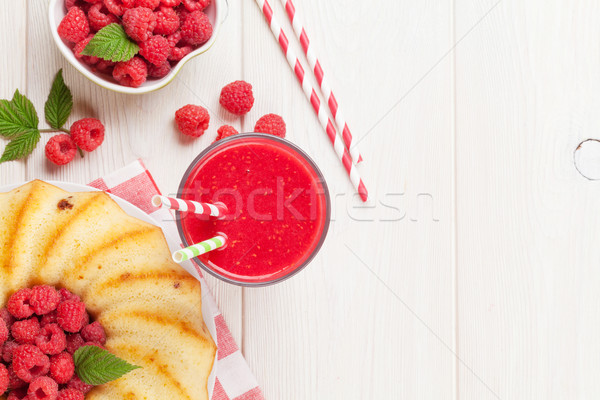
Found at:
(60, 102)
(21, 146)
(111, 43)
(96, 366)
(17, 116)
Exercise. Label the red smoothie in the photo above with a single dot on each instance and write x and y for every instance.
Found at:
(277, 202)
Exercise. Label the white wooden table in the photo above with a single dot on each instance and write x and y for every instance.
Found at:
(474, 273)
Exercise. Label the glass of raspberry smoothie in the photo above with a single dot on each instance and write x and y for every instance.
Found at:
(278, 208)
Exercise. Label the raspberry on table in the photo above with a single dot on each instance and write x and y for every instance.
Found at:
(167, 21)
(70, 394)
(44, 299)
(66, 295)
(3, 332)
(271, 123)
(43, 388)
(94, 333)
(99, 16)
(74, 27)
(159, 71)
(131, 73)
(51, 339)
(29, 362)
(7, 350)
(62, 367)
(74, 342)
(78, 384)
(226, 131)
(139, 22)
(61, 149)
(70, 315)
(155, 50)
(192, 120)
(18, 304)
(237, 97)
(25, 331)
(195, 5)
(4, 380)
(196, 29)
(88, 133)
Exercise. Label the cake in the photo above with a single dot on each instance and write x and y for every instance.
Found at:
(121, 268)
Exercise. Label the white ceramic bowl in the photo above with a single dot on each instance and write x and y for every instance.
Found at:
(216, 11)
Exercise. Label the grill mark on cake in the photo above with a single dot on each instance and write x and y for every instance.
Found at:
(128, 277)
(7, 264)
(182, 326)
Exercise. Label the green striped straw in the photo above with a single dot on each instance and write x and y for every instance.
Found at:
(198, 249)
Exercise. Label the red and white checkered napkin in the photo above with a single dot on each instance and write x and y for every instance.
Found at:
(231, 378)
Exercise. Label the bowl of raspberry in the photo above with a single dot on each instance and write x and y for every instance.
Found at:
(134, 46)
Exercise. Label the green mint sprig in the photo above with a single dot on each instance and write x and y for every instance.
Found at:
(96, 366)
(111, 43)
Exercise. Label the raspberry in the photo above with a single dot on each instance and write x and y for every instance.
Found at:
(226, 131)
(74, 27)
(151, 4)
(15, 381)
(51, 339)
(177, 53)
(49, 318)
(66, 295)
(7, 350)
(94, 332)
(167, 21)
(26, 331)
(237, 97)
(70, 394)
(74, 342)
(139, 23)
(29, 362)
(44, 299)
(196, 29)
(7, 317)
(195, 5)
(87, 133)
(155, 50)
(4, 380)
(61, 149)
(62, 367)
(192, 120)
(131, 73)
(3, 332)
(18, 304)
(78, 48)
(170, 3)
(43, 388)
(118, 7)
(105, 67)
(271, 123)
(99, 17)
(18, 394)
(70, 3)
(78, 384)
(159, 71)
(70, 315)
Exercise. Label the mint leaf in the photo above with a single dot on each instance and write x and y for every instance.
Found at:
(60, 102)
(21, 146)
(96, 366)
(111, 43)
(17, 116)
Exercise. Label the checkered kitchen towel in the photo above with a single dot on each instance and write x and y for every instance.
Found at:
(231, 378)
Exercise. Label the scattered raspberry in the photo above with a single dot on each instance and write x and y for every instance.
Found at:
(170, 3)
(70, 394)
(7, 350)
(167, 21)
(61, 149)
(271, 123)
(18, 304)
(195, 5)
(90, 60)
(70, 315)
(66, 295)
(192, 120)
(3, 332)
(7, 317)
(51, 339)
(226, 131)
(139, 23)
(74, 342)
(74, 27)
(43, 388)
(99, 17)
(29, 362)
(159, 71)
(26, 331)
(87, 133)
(118, 7)
(4, 380)
(94, 332)
(237, 97)
(155, 50)
(131, 73)
(44, 299)
(62, 367)
(49, 318)
(196, 29)
(151, 4)
(78, 384)
(17, 394)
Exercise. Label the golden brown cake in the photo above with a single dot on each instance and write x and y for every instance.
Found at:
(121, 268)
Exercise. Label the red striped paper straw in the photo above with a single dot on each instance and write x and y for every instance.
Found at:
(214, 210)
(314, 63)
(314, 99)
